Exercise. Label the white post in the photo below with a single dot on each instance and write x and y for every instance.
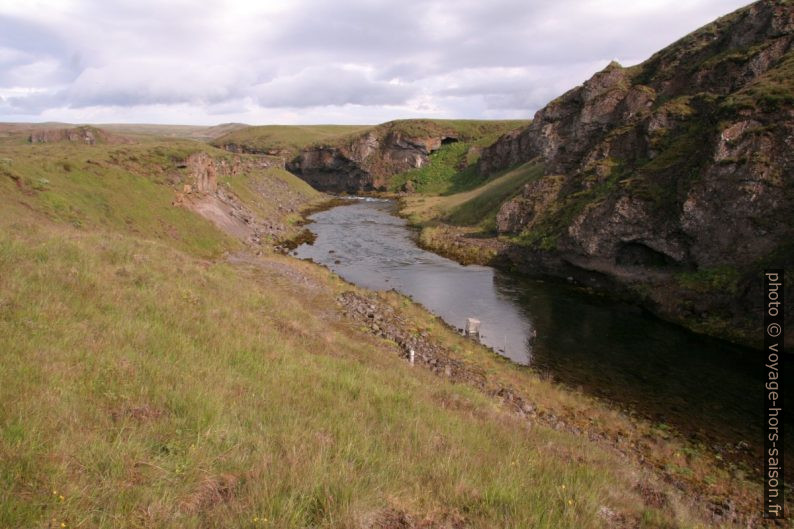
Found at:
(472, 327)
(411, 356)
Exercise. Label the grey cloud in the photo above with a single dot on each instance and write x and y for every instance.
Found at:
(470, 58)
(18, 33)
(328, 85)
(153, 81)
(36, 58)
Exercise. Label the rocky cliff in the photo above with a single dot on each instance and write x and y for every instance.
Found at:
(365, 162)
(83, 134)
(673, 179)
(365, 159)
(201, 192)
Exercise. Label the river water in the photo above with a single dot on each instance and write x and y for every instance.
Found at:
(707, 389)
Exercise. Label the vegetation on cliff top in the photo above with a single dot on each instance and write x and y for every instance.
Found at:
(453, 167)
(287, 138)
(290, 139)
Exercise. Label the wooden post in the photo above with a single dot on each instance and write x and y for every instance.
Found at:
(472, 327)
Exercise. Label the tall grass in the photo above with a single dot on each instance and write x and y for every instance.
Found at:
(145, 387)
(148, 382)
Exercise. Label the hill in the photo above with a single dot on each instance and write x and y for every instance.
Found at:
(193, 132)
(669, 182)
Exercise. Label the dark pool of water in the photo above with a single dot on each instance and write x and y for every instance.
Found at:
(705, 388)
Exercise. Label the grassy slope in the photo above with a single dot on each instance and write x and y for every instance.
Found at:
(147, 384)
(105, 187)
(130, 188)
(461, 225)
(144, 387)
(477, 207)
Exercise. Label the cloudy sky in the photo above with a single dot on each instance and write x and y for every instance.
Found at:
(314, 61)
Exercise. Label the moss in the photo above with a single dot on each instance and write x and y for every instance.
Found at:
(683, 152)
(771, 92)
(679, 107)
(716, 279)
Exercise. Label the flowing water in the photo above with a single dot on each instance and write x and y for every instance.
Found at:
(707, 389)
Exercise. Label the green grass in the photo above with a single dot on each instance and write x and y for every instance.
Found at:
(131, 189)
(481, 207)
(773, 91)
(443, 173)
(144, 387)
(292, 138)
(476, 207)
(467, 130)
(200, 133)
(108, 187)
(289, 138)
(452, 169)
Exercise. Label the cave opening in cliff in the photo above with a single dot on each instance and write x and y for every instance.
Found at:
(638, 254)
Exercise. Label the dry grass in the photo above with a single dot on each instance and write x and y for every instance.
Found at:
(151, 388)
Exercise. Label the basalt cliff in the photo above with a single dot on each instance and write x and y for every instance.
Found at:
(365, 163)
(366, 159)
(673, 179)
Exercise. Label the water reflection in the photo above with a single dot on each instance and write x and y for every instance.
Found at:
(706, 388)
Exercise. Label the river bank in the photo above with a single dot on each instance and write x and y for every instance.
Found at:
(654, 445)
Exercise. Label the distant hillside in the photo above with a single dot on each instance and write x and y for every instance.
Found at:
(673, 179)
(356, 158)
(284, 140)
(136, 131)
(83, 134)
(201, 133)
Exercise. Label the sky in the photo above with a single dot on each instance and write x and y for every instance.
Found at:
(313, 61)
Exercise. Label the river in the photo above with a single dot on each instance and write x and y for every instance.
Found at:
(707, 389)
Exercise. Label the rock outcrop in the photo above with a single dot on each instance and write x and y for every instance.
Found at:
(84, 134)
(202, 193)
(673, 179)
(204, 172)
(366, 160)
